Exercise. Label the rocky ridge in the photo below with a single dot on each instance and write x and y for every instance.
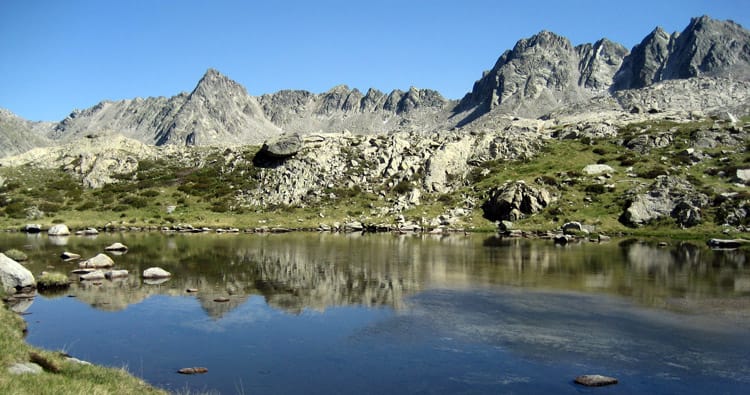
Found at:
(706, 68)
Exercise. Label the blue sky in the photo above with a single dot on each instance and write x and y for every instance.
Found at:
(60, 55)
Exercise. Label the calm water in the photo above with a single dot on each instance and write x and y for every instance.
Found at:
(322, 314)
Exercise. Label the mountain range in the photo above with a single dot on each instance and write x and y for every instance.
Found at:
(706, 67)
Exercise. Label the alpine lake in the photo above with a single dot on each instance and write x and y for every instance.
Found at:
(322, 313)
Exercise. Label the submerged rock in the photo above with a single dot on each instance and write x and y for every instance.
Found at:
(195, 370)
(595, 380)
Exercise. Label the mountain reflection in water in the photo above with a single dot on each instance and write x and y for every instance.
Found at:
(403, 313)
(301, 271)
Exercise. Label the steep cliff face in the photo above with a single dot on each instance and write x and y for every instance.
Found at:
(707, 47)
(542, 73)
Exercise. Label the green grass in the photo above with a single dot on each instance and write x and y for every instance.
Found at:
(52, 280)
(60, 376)
(205, 194)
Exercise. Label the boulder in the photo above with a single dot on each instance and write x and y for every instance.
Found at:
(116, 274)
(69, 256)
(25, 368)
(514, 201)
(93, 276)
(668, 196)
(90, 231)
(14, 276)
(282, 146)
(743, 176)
(726, 243)
(116, 247)
(593, 170)
(99, 261)
(156, 272)
(32, 228)
(59, 230)
(595, 380)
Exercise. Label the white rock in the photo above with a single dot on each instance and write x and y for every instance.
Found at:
(93, 276)
(13, 275)
(59, 230)
(597, 169)
(25, 368)
(116, 247)
(116, 274)
(101, 260)
(156, 272)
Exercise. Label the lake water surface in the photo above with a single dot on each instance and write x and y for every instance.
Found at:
(403, 314)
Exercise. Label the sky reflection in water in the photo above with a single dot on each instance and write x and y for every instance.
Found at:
(313, 313)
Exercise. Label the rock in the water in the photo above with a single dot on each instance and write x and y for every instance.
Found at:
(116, 247)
(99, 261)
(116, 274)
(156, 272)
(69, 256)
(514, 201)
(32, 228)
(14, 276)
(195, 370)
(25, 368)
(283, 146)
(727, 244)
(221, 299)
(593, 170)
(59, 230)
(93, 276)
(595, 380)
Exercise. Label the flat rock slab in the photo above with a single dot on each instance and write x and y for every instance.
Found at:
(196, 370)
(595, 380)
(25, 368)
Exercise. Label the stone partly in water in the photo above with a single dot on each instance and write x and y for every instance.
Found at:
(156, 272)
(727, 244)
(13, 276)
(595, 380)
(116, 247)
(195, 370)
(59, 230)
(69, 256)
(99, 261)
(93, 276)
(116, 274)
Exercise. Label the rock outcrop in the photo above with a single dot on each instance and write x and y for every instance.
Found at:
(514, 201)
(707, 47)
(542, 73)
(668, 196)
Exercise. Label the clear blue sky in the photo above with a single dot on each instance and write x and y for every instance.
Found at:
(59, 55)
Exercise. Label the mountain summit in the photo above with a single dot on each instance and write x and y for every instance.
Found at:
(541, 75)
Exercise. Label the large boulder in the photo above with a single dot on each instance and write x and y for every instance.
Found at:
(59, 230)
(99, 261)
(668, 196)
(514, 201)
(14, 276)
(282, 146)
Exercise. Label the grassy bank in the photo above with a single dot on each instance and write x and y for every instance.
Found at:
(60, 376)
